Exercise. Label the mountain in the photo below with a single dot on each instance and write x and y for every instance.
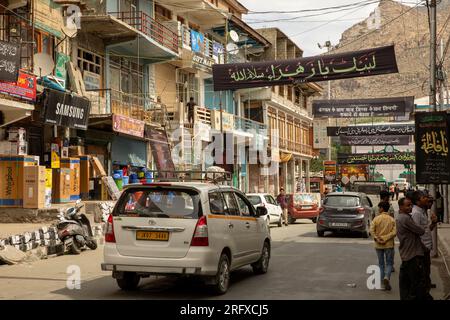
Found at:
(408, 29)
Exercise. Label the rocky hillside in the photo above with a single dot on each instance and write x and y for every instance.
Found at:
(410, 34)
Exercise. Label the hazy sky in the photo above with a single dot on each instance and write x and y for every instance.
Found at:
(308, 31)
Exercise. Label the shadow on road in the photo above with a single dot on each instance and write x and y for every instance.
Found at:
(334, 234)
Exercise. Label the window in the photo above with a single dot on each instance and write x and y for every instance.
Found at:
(341, 201)
(255, 200)
(270, 199)
(244, 206)
(44, 43)
(162, 14)
(216, 203)
(89, 61)
(232, 206)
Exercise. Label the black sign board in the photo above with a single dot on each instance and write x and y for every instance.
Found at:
(377, 158)
(375, 130)
(374, 140)
(65, 109)
(9, 61)
(432, 135)
(362, 108)
(368, 62)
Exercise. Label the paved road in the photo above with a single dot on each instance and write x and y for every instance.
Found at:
(303, 266)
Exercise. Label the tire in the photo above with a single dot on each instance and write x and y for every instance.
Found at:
(320, 233)
(75, 248)
(280, 222)
(365, 233)
(129, 281)
(222, 278)
(262, 265)
(92, 244)
(290, 219)
(314, 220)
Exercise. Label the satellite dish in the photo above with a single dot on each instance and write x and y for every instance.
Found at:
(69, 32)
(232, 48)
(234, 36)
(43, 64)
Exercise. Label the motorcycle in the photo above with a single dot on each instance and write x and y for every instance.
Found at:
(74, 230)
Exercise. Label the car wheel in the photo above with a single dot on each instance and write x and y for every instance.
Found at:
(290, 219)
(314, 220)
(365, 233)
(75, 247)
(320, 233)
(261, 266)
(222, 279)
(280, 222)
(129, 281)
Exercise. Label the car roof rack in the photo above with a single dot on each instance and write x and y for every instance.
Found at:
(216, 177)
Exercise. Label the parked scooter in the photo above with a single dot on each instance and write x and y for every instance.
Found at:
(74, 230)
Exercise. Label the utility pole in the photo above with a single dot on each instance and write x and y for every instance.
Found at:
(433, 90)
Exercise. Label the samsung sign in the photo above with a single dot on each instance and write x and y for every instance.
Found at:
(65, 109)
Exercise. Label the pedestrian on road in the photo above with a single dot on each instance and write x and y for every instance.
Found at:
(392, 191)
(383, 231)
(384, 197)
(412, 276)
(439, 207)
(397, 191)
(419, 214)
(281, 199)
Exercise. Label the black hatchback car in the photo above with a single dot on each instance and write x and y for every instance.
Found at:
(345, 211)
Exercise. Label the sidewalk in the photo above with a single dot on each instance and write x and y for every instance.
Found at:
(444, 243)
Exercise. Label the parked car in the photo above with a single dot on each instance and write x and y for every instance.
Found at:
(274, 211)
(345, 211)
(302, 206)
(184, 228)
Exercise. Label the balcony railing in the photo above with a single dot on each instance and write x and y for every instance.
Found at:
(293, 146)
(206, 48)
(250, 126)
(150, 27)
(140, 107)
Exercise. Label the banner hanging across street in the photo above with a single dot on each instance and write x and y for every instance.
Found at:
(65, 109)
(368, 62)
(375, 130)
(362, 108)
(377, 158)
(374, 140)
(432, 135)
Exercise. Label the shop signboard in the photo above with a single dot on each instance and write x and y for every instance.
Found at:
(374, 130)
(130, 126)
(377, 158)
(24, 88)
(352, 173)
(65, 109)
(362, 108)
(329, 171)
(197, 41)
(374, 140)
(433, 160)
(202, 62)
(9, 61)
(363, 63)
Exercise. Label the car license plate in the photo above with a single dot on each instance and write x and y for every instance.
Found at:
(338, 224)
(152, 236)
(307, 207)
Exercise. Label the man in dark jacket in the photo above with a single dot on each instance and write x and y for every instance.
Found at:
(412, 275)
(281, 199)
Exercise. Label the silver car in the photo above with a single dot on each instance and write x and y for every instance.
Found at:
(189, 228)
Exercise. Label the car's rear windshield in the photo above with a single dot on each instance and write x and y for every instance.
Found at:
(303, 198)
(159, 202)
(254, 200)
(341, 201)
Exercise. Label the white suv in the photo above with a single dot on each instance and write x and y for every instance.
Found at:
(188, 228)
(274, 211)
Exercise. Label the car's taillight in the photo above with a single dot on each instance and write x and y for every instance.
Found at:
(360, 210)
(200, 238)
(109, 234)
(321, 209)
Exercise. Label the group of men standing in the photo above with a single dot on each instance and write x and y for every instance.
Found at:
(413, 227)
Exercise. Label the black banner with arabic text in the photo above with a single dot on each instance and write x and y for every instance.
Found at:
(9, 61)
(375, 130)
(377, 158)
(432, 135)
(362, 108)
(374, 140)
(368, 62)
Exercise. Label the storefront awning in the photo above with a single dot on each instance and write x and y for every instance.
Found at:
(285, 157)
(13, 111)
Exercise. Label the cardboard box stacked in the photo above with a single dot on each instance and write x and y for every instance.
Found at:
(73, 164)
(16, 143)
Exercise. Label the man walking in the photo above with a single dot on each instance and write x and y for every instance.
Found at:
(281, 198)
(383, 231)
(397, 191)
(191, 105)
(412, 277)
(420, 216)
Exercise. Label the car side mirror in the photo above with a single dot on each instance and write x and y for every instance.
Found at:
(261, 211)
